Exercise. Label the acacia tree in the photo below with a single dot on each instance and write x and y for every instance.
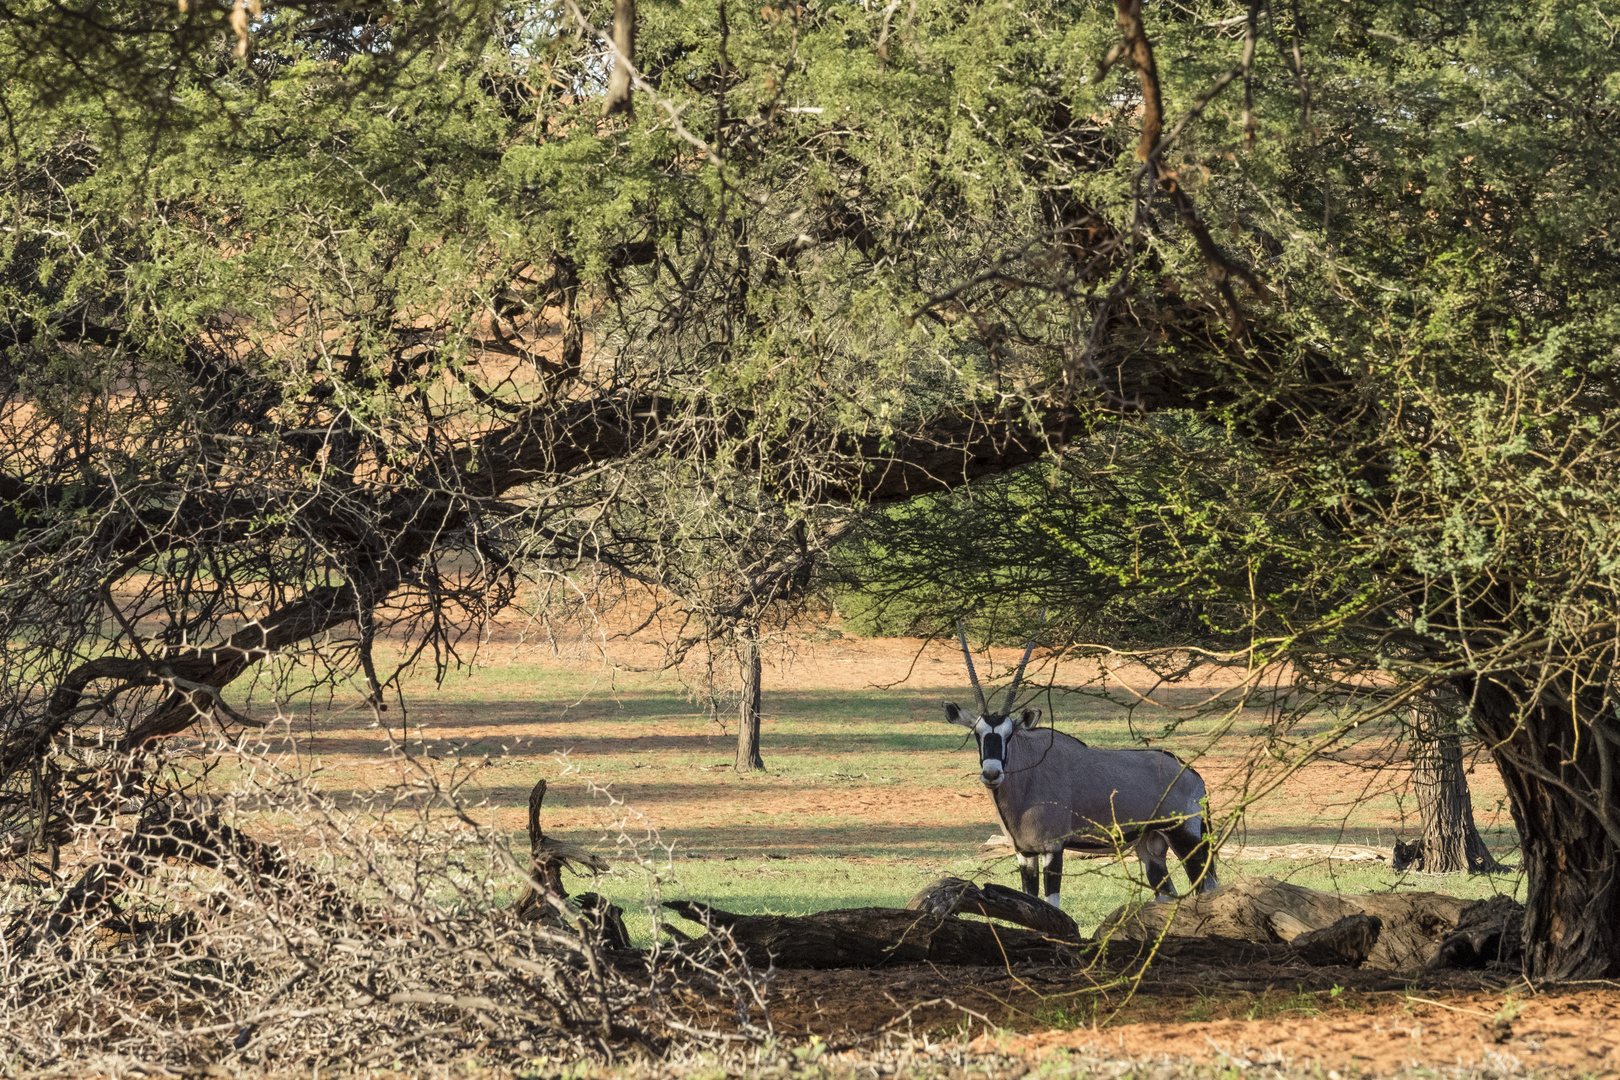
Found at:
(363, 332)
(346, 339)
(1367, 245)
(1440, 431)
(313, 361)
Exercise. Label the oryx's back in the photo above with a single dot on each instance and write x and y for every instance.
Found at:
(1094, 796)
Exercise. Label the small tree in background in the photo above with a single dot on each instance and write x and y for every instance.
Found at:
(1449, 842)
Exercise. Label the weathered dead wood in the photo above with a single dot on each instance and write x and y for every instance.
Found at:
(1489, 933)
(1265, 909)
(1346, 943)
(547, 857)
(955, 896)
(872, 937)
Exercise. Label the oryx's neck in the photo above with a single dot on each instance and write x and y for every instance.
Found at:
(1033, 800)
(1020, 771)
(1003, 805)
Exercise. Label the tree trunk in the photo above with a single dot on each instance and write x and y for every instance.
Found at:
(618, 97)
(1450, 842)
(748, 659)
(1555, 750)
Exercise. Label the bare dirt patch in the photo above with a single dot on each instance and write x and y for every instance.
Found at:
(1563, 1029)
(1221, 1002)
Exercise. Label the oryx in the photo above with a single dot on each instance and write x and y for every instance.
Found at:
(1052, 792)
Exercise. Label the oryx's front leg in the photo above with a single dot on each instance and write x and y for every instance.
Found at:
(1033, 866)
(1029, 872)
(1053, 872)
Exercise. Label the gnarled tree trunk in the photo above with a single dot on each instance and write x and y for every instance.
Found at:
(1450, 842)
(1556, 751)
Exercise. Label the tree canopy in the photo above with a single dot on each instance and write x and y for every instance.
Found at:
(1375, 267)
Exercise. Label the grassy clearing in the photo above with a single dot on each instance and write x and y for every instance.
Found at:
(868, 794)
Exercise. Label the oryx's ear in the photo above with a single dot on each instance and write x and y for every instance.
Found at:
(955, 715)
(1029, 718)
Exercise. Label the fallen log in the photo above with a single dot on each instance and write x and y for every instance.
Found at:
(1346, 943)
(873, 937)
(1409, 930)
(955, 896)
(1488, 934)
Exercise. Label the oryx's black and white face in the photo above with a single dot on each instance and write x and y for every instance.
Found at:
(992, 729)
(993, 732)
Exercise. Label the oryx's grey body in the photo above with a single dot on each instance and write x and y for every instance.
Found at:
(1054, 793)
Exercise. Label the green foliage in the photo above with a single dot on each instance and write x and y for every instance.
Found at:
(361, 325)
(1128, 541)
(1419, 200)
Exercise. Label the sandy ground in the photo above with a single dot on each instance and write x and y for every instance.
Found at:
(1573, 1030)
(1570, 1030)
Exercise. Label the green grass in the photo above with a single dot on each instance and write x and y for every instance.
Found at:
(868, 795)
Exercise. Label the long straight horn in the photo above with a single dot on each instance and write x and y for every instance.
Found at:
(967, 654)
(1018, 675)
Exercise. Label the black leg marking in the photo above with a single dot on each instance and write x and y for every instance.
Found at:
(1030, 870)
(1192, 846)
(1158, 875)
(1053, 873)
(1150, 851)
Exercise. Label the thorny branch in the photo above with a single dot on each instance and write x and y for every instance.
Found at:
(381, 940)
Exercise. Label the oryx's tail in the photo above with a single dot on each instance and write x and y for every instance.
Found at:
(1196, 850)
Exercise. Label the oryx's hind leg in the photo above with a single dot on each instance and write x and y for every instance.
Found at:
(1150, 851)
(1197, 855)
(1029, 872)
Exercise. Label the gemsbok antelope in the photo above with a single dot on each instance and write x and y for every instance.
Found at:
(1053, 792)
